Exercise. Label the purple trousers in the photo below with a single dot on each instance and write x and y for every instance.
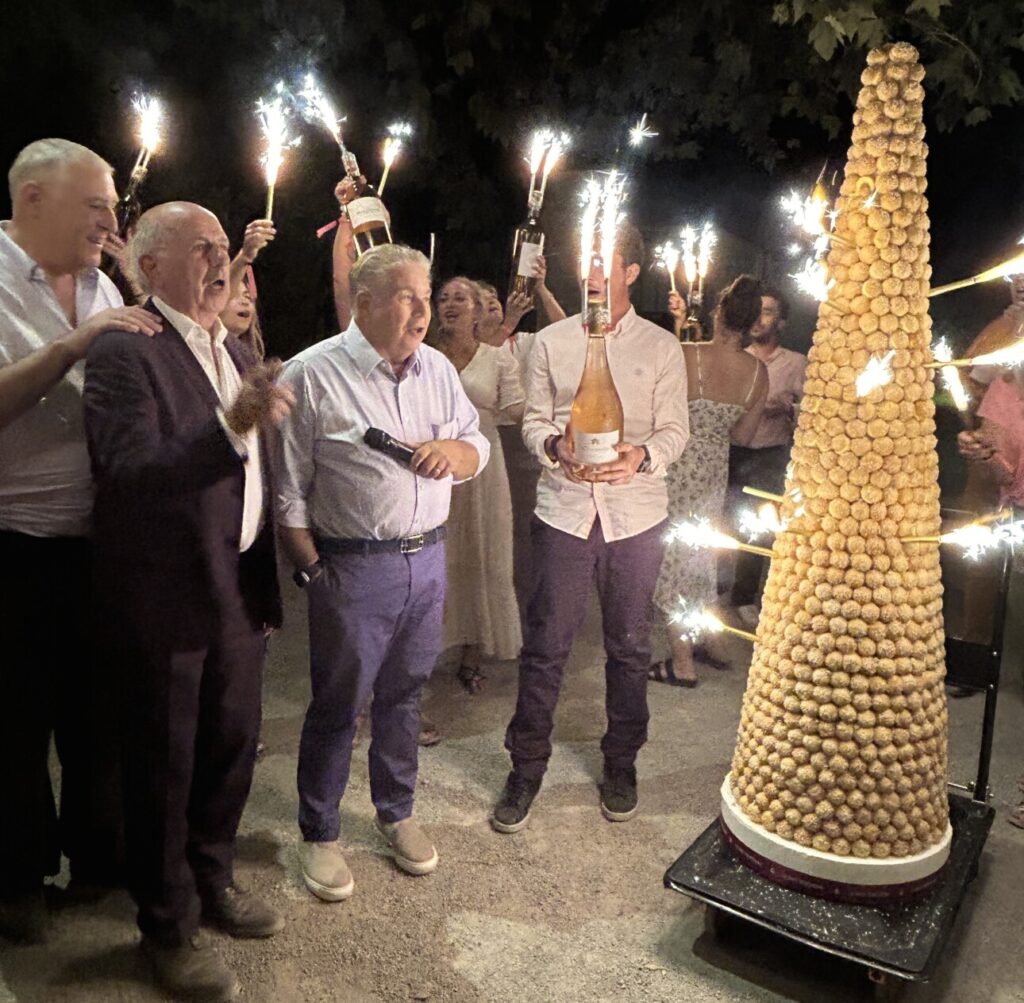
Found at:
(565, 568)
(374, 629)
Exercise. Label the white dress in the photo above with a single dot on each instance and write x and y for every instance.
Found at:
(481, 603)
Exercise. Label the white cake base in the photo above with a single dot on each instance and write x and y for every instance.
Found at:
(828, 867)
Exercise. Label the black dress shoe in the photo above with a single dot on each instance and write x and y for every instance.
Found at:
(240, 914)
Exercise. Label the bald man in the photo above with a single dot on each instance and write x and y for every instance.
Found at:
(185, 553)
(53, 303)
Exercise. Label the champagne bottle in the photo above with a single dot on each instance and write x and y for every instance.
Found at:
(527, 245)
(596, 419)
(371, 222)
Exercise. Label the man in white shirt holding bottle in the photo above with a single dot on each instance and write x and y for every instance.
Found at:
(610, 530)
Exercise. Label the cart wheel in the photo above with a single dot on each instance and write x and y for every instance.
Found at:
(887, 989)
(716, 921)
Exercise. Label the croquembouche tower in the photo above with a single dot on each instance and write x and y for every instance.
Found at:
(838, 780)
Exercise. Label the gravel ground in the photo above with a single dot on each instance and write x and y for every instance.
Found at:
(572, 909)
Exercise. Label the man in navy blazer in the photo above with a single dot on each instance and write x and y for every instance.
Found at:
(185, 558)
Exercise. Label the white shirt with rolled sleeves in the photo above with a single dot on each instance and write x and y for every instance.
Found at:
(45, 477)
(650, 375)
(328, 479)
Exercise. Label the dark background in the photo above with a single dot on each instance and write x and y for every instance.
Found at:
(749, 100)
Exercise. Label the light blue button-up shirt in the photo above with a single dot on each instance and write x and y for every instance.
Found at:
(327, 479)
(45, 480)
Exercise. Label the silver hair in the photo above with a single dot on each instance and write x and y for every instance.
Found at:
(45, 155)
(368, 272)
(148, 237)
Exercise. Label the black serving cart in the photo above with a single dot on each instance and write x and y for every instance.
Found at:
(903, 942)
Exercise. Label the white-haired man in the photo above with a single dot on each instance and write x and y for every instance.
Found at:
(365, 532)
(185, 571)
(53, 302)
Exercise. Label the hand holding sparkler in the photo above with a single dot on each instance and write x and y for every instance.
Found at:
(258, 234)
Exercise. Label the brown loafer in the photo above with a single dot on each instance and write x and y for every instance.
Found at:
(241, 914)
(192, 971)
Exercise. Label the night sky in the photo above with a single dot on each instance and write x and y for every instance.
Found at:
(69, 70)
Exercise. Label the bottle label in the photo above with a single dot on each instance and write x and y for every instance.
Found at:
(367, 213)
(528, 254)
(591, 448)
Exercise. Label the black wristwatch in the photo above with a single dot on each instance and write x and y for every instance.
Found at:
(310, 573)
(551, 447)
(645, 463)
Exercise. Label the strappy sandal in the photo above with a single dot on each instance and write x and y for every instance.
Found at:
(471, 677)
(429, 734)
(665, 672)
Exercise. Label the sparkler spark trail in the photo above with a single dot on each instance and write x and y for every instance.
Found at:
(539, 143)
(704, 248)
(808, 213)
(877, 373)
(555, 151)
(977, 539)
(150, 114)
(814, 279)
(695, 623)
(640, 132)
(764, 522)
(1012, 266)
(689, 255)
(611, 199)
(273, 118)
(700, 533)
(318, 108)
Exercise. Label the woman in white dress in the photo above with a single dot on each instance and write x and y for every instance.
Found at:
(481, 615)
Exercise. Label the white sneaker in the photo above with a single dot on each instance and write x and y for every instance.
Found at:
(325, 871)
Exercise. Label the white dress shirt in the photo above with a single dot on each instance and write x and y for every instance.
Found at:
(786, 370)
(328, 480)
(45, 478)
(650, 376)
(226, 380)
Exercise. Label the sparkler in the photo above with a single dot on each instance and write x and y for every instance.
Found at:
(951, 376)
(704, 247)
(1011, 355)
(667, 255)
(764, 522)
(611, 199)
(767, 495)
(689, 256)
(150, 115)
(539, 143)
(697, 622)
(1012, 266)
(701, 533)
(877, 373)
(398, 132)
(316, 107)
(555, 150)
(640, 132)
(590, 199)
(814, 279)
(274, 122)
(976, 539)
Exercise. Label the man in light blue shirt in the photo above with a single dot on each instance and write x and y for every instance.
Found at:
(365, 533)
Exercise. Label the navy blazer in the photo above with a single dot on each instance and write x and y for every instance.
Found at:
(169, 487)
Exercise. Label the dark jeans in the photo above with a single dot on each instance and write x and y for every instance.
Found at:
(565, 568)
(50, 684)
(374, 629)
(523, 473)
(191, 690)
(755, 468)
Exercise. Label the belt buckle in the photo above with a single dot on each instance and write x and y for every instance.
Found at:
(412, 544)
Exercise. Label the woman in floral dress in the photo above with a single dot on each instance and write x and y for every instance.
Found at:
(726, 389)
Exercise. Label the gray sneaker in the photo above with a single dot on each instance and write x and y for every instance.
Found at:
(192, 971)
(325, 871)
(512, 811)
(411, 847)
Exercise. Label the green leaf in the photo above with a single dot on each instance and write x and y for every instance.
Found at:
(823, 37)
(930, 7)
(976, 116)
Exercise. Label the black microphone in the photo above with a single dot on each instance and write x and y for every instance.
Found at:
(377, 438)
